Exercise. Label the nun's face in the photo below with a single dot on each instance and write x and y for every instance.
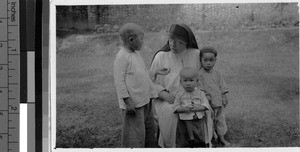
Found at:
(176, 45)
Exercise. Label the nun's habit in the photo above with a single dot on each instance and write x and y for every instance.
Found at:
(165, 58)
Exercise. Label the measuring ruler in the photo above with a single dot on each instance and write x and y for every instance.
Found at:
(9, 76)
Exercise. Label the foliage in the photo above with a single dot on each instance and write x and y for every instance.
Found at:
(154, 18)
(74, 12)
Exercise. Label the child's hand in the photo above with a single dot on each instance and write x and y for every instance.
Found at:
(224, 100)
(163, 71)
(208, 97)
(188, 108)
(171, 98)
(129, 106)
(184, 109)
(198, 107)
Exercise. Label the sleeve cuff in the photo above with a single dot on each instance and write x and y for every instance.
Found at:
(159, 88)
(223, 92)
(175, 108)
(124, 95)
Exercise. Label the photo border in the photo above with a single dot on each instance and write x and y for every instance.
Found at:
(52, 73)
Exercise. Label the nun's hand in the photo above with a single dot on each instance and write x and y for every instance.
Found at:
(171, 98)
(166, 96)
(163, 71)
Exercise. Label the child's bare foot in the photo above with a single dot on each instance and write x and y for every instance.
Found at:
(223, 141)
(226, 143)
(215, 136)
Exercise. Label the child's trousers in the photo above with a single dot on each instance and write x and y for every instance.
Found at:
(219, 120)
(139, 128)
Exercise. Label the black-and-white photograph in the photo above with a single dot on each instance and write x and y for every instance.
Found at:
(195, 75)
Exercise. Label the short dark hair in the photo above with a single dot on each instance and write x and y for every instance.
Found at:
(189, 72)
(207, 49)
(130, 30)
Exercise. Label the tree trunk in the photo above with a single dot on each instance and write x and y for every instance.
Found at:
(92, 17)
(70, 18)
(203, 16)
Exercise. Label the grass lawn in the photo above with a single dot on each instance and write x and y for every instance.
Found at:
(261, 69)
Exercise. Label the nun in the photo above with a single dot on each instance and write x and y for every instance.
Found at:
(181, 50)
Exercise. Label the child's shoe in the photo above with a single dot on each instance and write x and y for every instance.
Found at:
(192, 143)
(224, 142)
(202, 145)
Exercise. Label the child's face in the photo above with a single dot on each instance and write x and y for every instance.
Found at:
(189, 83)
(208, 61)
(137, 41)
(177, 45)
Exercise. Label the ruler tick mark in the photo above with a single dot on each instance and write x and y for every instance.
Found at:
(11, 44)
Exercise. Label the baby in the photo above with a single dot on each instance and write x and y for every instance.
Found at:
(190, 102)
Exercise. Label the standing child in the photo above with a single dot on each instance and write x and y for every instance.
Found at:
(135, 90)
(191, 104)
(214, 85)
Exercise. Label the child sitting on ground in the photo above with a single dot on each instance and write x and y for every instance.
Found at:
(191, 105)
(214, 85)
